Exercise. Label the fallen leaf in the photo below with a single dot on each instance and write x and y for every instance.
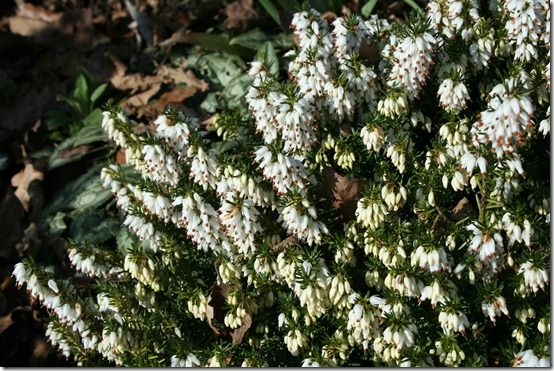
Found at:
(238, 334)
(176, 95)
(37, 12)
(30, 243)
(23, 180)
(209, 317)
(26, 26)
(290, 240)
(369, 52)
(134, 82)
(460, 205)
(120, 156)
(41, 351)
(462, 209)
(329, 16)
(6, 322)
(11, 223)
(240, 14)
(141, 99)
(182, 77)
(216, 302)
(75, 151)
(343, 192)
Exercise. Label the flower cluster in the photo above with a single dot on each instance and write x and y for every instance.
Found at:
(389, 210)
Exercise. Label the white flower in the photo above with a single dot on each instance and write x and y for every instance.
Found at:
(534, 277)
(284, 172)
(176, 134)
(393, 105)
(362, 324)
(453, 96)
(453, 321)
(527, 358)
(295, 340)
(515, 232)
(371, 213)
(544, 125)
(308, 362)
(394, 195)
(524, 20)
(201, 222)
(486, 245)
(400, 337)
(433, 259)
(295, 122)
(301, 220)
(507, 118)
(239, 219)
(204, 168)
(494, 308)
(373, 137)
(412, 59)
(434, 293)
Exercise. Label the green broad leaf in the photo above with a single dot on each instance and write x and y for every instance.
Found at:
(82, 193)
(56, 224)
(216, 42)
(73, 103)
(253, 39)
(368, 8)
(234, 93)
(211, 103)
(81, 92)
(68, 150)
(97, 93)
(283, 41)
(268, 56)
(56, 119)
(125, 240)
(414, 6)
(271, 10)
(93, 118)
(223, 67)
(4, 160)
(290, 5)
(93, 226)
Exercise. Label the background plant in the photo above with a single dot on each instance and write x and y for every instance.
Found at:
(437, 140)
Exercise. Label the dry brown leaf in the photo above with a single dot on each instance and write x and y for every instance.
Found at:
(141, 99)
(329, 16)
(134, 82)
(6, 322)
(37, 12)
(216, 302)
(209, 317)
(26, 26)
(342, 191)
(30, 242)
(120, 156)
(75, 151)
(460, 205)
(41, 351)
(22, 180)
(238, 334)
(177, 95)
(369, 52)
(240, 14)
(181, 77)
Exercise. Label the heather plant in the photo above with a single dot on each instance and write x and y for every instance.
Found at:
(241, 250)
